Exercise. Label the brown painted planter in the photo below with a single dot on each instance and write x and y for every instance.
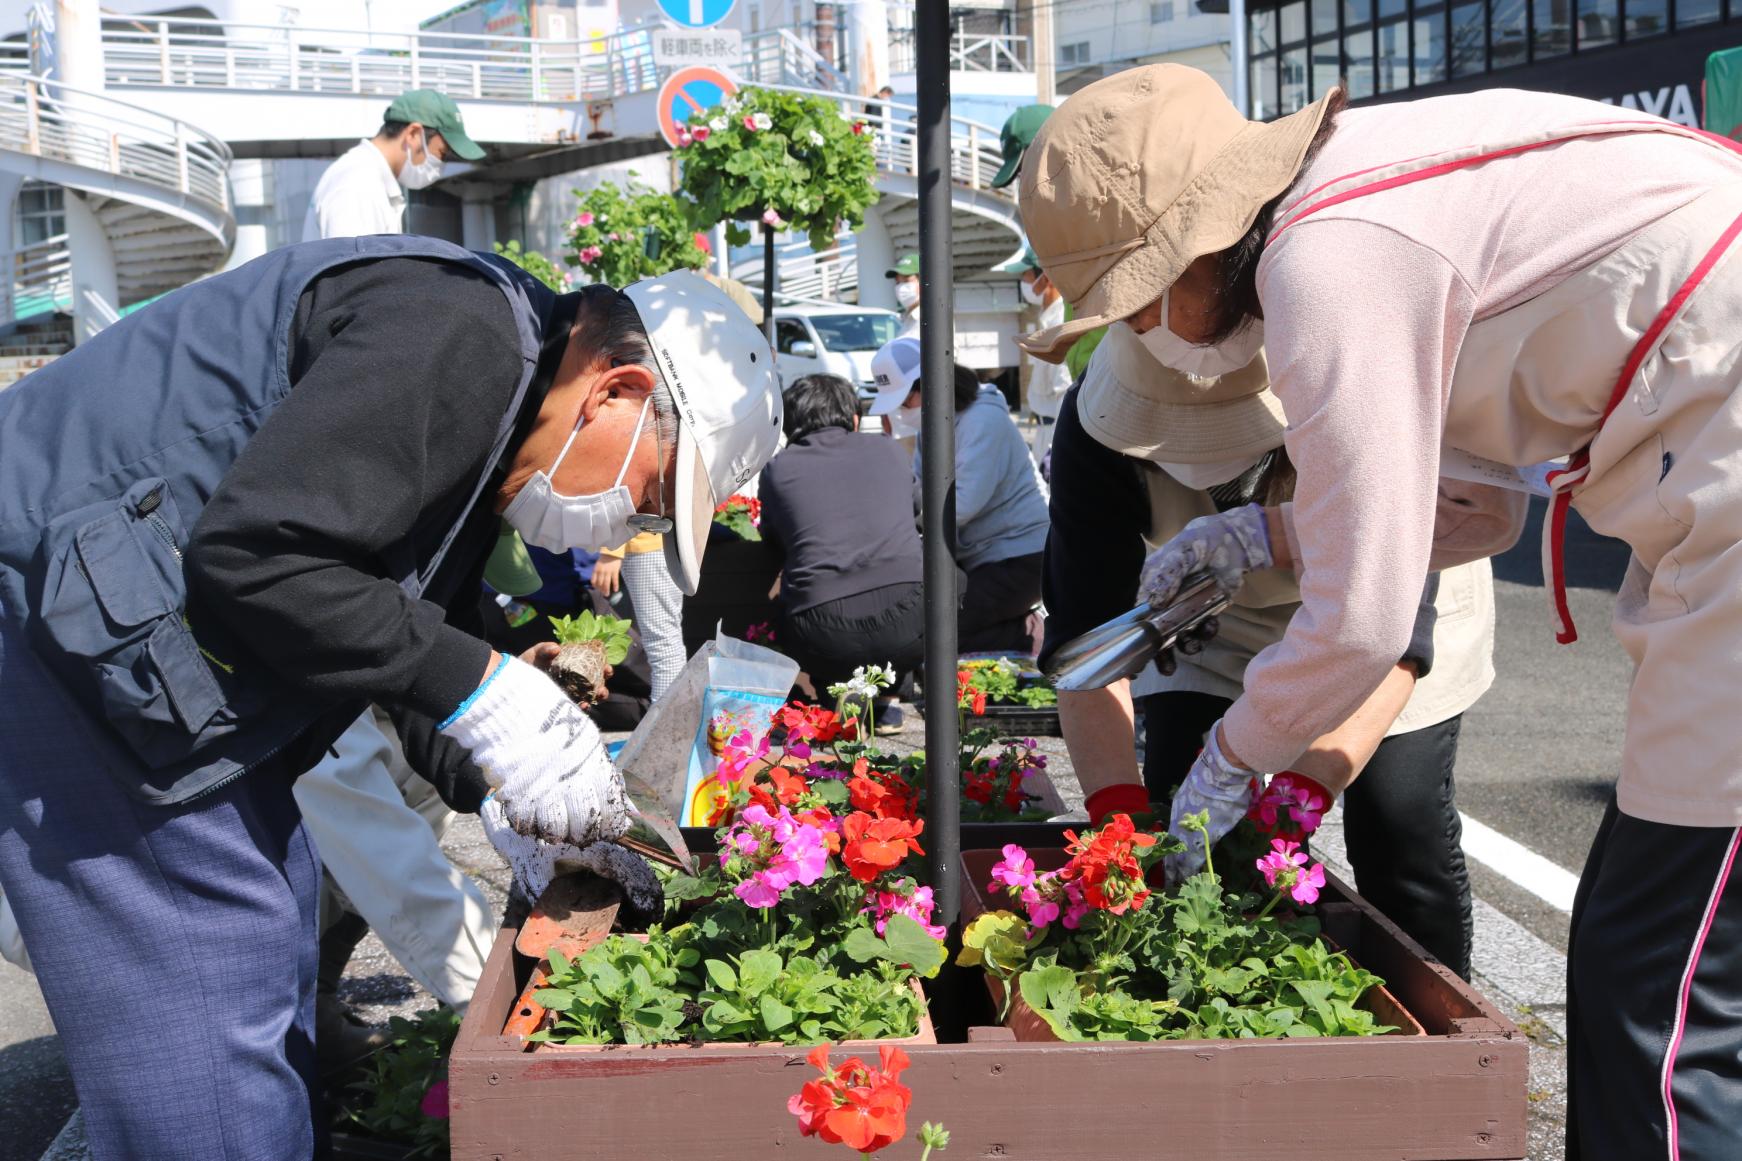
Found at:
(1456, 1093)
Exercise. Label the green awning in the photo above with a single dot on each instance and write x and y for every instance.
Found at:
(1724, 92)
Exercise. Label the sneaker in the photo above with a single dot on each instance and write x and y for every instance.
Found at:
(890, 719)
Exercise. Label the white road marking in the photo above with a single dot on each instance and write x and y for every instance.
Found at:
(1553, 884)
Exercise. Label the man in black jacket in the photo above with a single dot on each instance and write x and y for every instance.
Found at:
(238, 516)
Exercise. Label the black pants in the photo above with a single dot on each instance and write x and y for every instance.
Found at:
(1654, 995)
(1402, 827)
(996, 600)
(885, 626)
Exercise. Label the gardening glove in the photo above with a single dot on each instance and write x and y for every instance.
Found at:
(1228, 545)
(536, 862)
(543, 756)
(1217, 787)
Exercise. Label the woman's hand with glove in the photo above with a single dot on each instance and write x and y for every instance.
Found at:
(1216, 787)
(1227, 545)
(535, 863)
(543, 755)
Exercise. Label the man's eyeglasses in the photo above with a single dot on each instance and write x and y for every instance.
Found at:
(648, 522)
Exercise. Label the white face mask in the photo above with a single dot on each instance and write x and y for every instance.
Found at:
(1224, 358)
(1030, 295)
(1199, 477)
(555, 522)
(904, 422)
(418, 174)
(906, 293)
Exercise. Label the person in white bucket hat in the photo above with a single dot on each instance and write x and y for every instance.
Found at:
(1140, 451)
(1452, 293)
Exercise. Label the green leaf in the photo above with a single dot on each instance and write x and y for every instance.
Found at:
(757, 971)
(775, 1015)
(556, 999)
(722, 975)
(911, 945)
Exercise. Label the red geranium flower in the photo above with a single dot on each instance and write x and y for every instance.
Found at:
(871, 846)
(858, 1106)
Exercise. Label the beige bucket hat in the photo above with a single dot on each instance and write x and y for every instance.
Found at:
(1137, 175)
(1134, 405)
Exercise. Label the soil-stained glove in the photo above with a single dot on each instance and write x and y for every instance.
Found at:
(1228, 545)
(543, 755)
(535, 863)
(1217, 787)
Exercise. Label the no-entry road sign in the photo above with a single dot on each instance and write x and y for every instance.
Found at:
(697, 13)
(689, 91)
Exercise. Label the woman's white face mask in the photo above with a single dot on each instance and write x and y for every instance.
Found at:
(1224, 358)
(555, 522)
(907, 293)
(1200, 477)
(904, 422)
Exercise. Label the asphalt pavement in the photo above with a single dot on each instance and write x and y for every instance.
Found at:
(1536, 766)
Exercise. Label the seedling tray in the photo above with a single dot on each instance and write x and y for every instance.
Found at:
(1454, 1094)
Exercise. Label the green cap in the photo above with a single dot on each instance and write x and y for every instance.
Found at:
(437, 113)
(909, 264)
(510, 569)
(1016, 136)
(1021, 264)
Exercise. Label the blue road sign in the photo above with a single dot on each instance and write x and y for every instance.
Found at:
(697, 13)
(688, 91)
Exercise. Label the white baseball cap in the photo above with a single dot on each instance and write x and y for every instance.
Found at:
(720, 370)
(895, 367)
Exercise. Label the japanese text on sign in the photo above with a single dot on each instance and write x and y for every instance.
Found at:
(673, 47)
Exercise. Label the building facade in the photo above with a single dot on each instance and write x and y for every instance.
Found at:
(1641, 54)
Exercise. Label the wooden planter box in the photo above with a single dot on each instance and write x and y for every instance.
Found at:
(1454, 1094)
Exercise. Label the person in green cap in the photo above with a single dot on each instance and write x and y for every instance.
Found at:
(906, 276)
(1015, 138)
(363, 191)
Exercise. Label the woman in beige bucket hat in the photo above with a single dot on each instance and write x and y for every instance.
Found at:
(1458, 289)
(1136, 457)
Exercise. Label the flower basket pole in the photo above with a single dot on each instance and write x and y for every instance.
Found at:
(769, 274)
(937, 440)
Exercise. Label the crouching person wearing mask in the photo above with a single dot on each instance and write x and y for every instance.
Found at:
(1140, 452)
(233, 520)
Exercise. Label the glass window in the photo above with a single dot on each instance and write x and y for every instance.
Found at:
(1647, 18)
(1469, 39)
(41, 212)
(1507, 46)
(1392, 8)
(1264, 103)
(1293, 22)
(1074, 53)
(1358, 63)
(1554, 29)
(1294, 81)
(1392, 71)
(1161, 13)
(1263, 25)
(1327, 66)
(1430, 47)
(1691, 12)
(1324, 18)
(854, 332)
(787, 332)
(1598, 24)
(1356, 12)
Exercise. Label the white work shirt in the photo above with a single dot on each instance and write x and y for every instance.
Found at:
(1048, 382)
(909, 325)
(357, 195)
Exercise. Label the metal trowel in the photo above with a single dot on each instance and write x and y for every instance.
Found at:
(653, 834)
(574, 914)
(1123, 646)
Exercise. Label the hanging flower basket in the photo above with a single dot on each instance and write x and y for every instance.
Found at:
(784, 160)
(621, 235)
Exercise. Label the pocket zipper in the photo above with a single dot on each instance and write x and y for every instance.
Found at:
(148, 511)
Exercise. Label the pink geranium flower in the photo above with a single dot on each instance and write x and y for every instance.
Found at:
(700, 133)
(1016, 871)
(583, 218)
(756, 891)
(918, 907)
(1306, 888)
(1282, 862)
(435, 1102)
(590, 255)
(772, 218)
(702, 244)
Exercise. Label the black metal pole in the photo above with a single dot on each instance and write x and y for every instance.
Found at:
(937, 439)
(768, 276)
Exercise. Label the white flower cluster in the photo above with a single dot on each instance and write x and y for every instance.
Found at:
(865, 682)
